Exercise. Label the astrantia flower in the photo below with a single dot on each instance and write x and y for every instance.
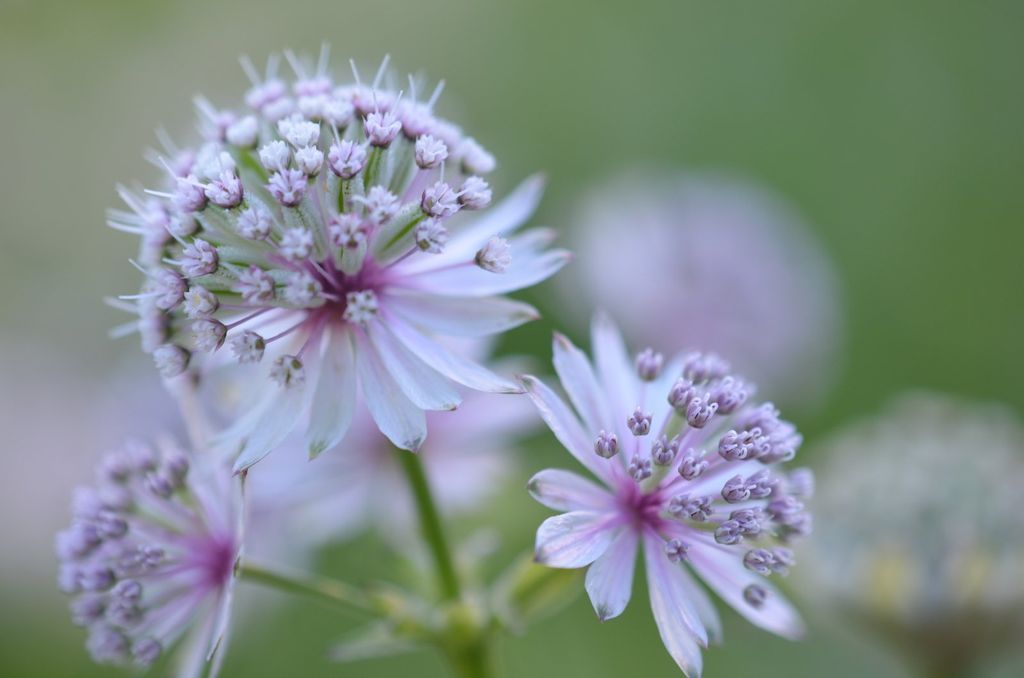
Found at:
(324, 237)
(727, 266)
(689, 473)
(360, 484)
(150, 555)
(922, 531)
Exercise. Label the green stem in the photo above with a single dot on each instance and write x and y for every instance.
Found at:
(330, 591)
(430, 524)
(476, 660)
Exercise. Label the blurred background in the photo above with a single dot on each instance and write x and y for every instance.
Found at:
(891, 129)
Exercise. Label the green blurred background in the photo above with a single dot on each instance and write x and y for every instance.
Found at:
(893, 127)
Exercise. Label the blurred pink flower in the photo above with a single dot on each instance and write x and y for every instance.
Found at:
(710, 263)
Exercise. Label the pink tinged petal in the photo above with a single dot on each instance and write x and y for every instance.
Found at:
(462, 317)
(722, 570)
(565, 491)
(335, 399)
(580, 383)
(705, 608)
(610, 579)
(529, 266)
(614, 368)
(456, 368)
(396, 416)
(422, 384)
(672, 612)
(566, 427)
(575, 539)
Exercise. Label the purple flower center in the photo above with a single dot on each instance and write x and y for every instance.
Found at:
(214, 557)
(639, 508)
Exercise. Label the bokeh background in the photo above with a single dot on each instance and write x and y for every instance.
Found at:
(894, 128)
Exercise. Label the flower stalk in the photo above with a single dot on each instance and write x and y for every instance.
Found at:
(330, 591)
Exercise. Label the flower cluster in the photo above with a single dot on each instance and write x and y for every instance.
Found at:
(326, 237)
(922, 530)
(691, 472)
(150, 554)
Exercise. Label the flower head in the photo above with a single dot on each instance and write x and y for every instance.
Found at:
(150, 554)
(696, 485)
(725, 266)
(921, 523)
(332, 239)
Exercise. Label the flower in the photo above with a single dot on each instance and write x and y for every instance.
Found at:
(326, 237)
(726, 266)
(150, 554)
(360, 484)
(727, 514)
(922, 532)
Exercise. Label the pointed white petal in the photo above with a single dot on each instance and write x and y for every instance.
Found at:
(614, 367)
(566, 491)
(455, 367)
(672, 586)
(567, 429)
(462, 317)
(527, 269)
(722, 570)
(396, 416)
(274, 421)
(581, 384)
(610, 579)
(422, 384)
(575, 539)
(335, 398)
(675, 633)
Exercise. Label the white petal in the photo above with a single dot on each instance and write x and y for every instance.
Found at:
(396, 416)
(575, 539)
(335, 399)
(580, 384)
(566, 491)
(456, 368)
(462, 317)
(722, 570)
(529, 266)
(423, 385)
(614, 368)
(567, 429)
(671, 611)
(274, 420)
(610, 579)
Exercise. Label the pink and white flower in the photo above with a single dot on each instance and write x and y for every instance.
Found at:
(329, 247)
(688, 472)
(150, 557)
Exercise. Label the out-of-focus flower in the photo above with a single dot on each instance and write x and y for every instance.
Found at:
(922, 534)
(150, 556)
(324, 238)
(359, 484)
(715, 264)
(691, 473)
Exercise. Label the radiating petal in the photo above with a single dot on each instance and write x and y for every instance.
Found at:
(455, 367)
(575, 539)
(580, 383)
(566, 491)
(529, 266)
(610, 579)
(566, 427)
(672, 586)
(665, 592)
(274, 420)
(422, 384)
(396, 416)
(614, 368)
(461, 316)
(335, 399)
(722, 570)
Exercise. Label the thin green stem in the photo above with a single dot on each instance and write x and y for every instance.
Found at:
(330, 591)
(430, 524)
